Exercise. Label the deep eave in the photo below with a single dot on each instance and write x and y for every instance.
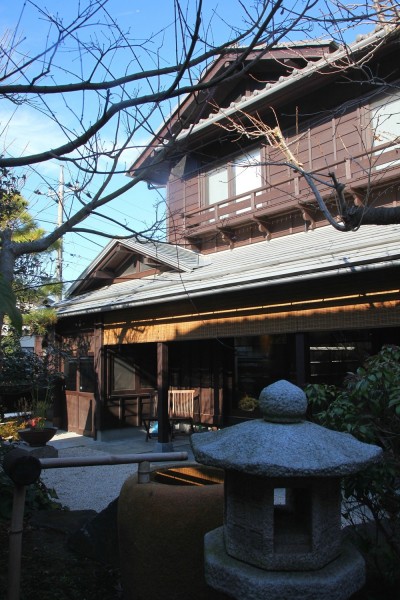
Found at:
(300, 81)
(192, 109)
(301, 257)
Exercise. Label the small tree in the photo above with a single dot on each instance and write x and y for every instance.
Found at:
(31, 282)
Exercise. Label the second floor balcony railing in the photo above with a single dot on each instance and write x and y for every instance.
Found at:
(287, 191)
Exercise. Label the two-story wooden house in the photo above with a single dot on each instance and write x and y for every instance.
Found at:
(252, 284)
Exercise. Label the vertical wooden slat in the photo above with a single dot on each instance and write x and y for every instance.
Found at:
(334, 139)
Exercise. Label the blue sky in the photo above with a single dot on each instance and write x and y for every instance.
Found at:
(25, 131)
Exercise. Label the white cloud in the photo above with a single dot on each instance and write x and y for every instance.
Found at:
(27, 132)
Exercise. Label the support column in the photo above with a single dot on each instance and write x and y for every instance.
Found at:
(98, 348)
(164, 444)
(302, 347)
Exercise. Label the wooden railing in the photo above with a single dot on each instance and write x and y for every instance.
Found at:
(181, 404)
(372, 168)
(181, 408)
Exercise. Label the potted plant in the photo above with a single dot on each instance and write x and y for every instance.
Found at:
(248, 403)
(35, 430)
(30, 380)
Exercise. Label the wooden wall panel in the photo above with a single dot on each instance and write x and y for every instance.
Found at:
(80, 412)
(192, 193)
(337, 143)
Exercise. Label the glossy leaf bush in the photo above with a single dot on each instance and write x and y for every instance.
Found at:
(367, 405)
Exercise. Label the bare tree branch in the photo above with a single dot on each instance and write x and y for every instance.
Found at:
(121, 83)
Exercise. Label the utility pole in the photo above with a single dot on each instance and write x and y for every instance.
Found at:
(60, 216)
(59, 199)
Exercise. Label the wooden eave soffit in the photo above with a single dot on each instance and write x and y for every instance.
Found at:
(357, 195)
(264, 225)
(102, 274)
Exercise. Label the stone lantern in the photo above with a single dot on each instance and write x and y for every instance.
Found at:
(281, 536)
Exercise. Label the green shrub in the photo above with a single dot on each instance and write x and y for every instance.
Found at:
(368, 407)
(38, 496)
(9, 429)
(26, 375)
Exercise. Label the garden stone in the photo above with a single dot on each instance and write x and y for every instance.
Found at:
(97, 538)
(46, 451)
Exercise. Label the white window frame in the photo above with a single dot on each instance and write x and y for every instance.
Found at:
(385, 123)
(247, 172)
(241, 175)
(217, 185)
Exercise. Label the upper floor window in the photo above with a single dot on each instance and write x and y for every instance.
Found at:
(385, 114)
(217, 185)
(385, 117)
(237, 177)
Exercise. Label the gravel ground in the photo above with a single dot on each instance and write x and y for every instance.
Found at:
(93, 488)
(87, 488)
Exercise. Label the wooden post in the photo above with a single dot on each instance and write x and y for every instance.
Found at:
(99, 393)
(16, 530)
(23, 469)
(164, 443)
(302, 358)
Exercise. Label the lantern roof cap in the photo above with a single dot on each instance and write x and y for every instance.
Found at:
(283, 444)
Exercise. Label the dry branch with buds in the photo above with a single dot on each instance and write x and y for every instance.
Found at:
(253, 127)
